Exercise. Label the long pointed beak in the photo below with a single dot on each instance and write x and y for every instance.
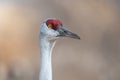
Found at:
(63, 32)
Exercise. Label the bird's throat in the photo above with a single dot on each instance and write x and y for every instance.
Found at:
(46, 54)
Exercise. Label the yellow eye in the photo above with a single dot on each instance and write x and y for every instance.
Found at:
(49, 25)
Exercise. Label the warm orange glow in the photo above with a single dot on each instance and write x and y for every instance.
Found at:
(95, 57)
(49, 25)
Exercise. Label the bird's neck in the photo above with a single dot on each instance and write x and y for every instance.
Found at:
(46, 52)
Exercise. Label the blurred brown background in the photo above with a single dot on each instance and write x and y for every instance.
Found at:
(95, 57)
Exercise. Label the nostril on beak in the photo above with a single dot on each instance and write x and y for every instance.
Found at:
(63, 32)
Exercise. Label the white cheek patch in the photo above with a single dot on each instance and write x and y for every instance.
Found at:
(48, 32)
(52, 33)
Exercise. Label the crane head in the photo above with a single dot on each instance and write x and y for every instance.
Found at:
(53, 29)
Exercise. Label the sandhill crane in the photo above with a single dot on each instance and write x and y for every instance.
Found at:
(51, 30)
